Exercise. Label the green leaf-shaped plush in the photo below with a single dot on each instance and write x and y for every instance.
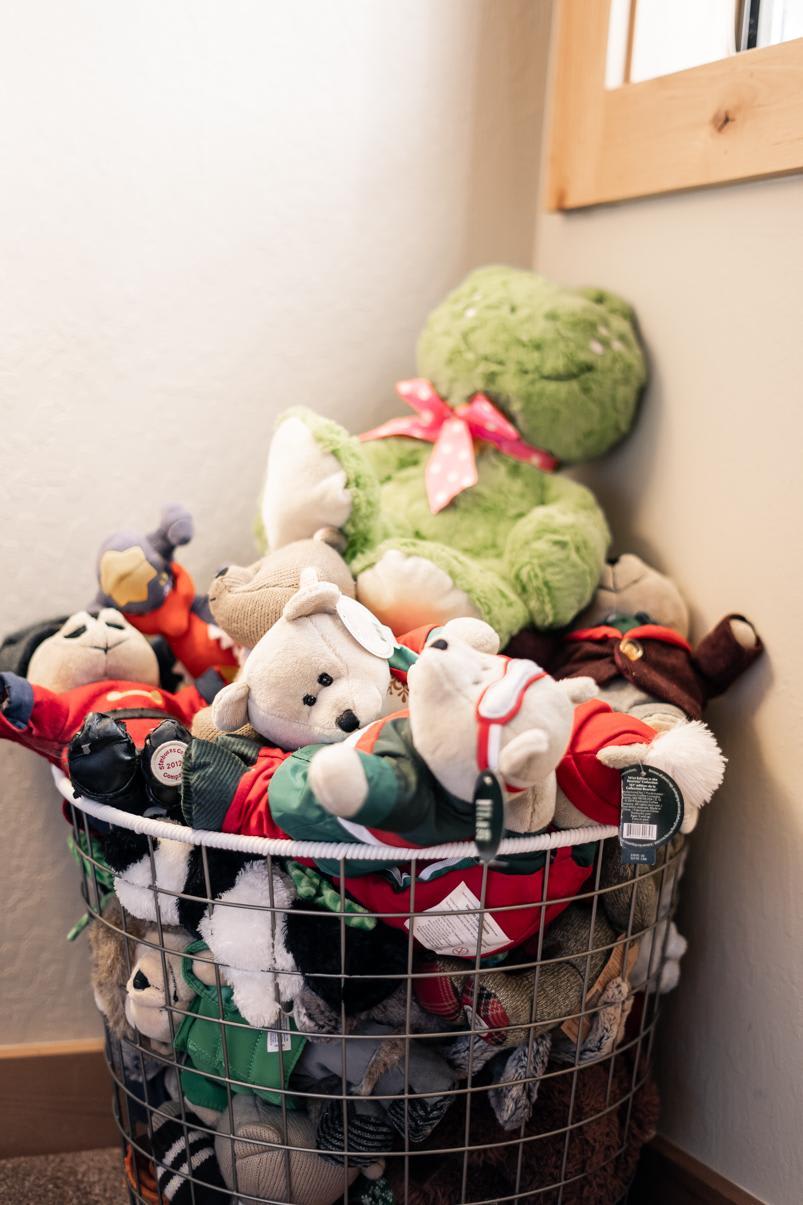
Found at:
(522, 545)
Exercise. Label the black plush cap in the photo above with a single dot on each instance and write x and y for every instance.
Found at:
(18, 647)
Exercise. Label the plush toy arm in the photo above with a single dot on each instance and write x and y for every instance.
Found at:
(33, 716)
(726, 652)
(688, 753)
(555, 553)
(317, 477)
(176, 527)
(338, 780)
(383, 792)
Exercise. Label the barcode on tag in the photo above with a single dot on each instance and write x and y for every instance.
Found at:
(281, 1037)
(648, 832)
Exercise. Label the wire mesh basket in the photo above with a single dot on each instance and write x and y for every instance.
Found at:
(399, 1065)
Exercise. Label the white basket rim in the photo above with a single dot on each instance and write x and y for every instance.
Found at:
(270, 846)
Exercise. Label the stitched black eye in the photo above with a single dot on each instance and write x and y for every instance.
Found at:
(325, 679)
(120, 626)
(76, 632)
(309, 700)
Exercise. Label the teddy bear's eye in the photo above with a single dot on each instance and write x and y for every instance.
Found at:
(325, 679)
(309, 700)
(76, 632)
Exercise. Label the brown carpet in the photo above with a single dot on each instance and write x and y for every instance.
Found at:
(82, 1178)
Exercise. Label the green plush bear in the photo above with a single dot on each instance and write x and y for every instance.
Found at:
(521, 545)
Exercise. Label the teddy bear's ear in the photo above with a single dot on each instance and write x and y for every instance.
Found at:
(312, 597)
(230, 708)
(579, 690)
(521, 760)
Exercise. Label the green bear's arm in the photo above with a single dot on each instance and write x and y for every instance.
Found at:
(554, 554)
(363, 527)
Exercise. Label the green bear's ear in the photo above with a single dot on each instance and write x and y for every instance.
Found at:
(612, 303)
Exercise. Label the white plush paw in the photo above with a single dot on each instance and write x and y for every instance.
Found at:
(619, 757)
(338, 780)
(305, 487)
(406, 592)
(744, 633)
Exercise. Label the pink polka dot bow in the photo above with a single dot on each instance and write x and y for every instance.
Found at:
(452, 467)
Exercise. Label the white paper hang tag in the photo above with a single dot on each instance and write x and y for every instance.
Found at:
(458, 934)
(363, 625)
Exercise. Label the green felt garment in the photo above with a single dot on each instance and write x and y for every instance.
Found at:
(200, 1037)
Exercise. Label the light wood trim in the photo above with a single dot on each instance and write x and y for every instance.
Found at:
(736, 119)
(46, 1049)
(54, 1097)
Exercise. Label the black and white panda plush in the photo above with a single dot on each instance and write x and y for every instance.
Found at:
(244, 928)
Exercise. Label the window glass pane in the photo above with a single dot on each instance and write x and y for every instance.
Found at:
(684, 33)
(618, 37)
(779, 21)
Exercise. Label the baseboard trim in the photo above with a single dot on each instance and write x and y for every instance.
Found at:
(55, 1097)
(669, 1175)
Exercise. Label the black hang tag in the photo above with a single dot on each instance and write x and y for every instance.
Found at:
(489, 814)
(652, 812)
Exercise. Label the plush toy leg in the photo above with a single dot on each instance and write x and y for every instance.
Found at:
(554, 556)
(104, 763)
(417, 1117)
(367, 1132)
(180, 1152)
(270, 1172)
(606, 1029)
(408, 583)
(305, 487)
(517, 1088)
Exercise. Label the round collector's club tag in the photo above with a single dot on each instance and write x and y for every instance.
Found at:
(366, 629)
(167, 761)
(489, 814)
(652, 812)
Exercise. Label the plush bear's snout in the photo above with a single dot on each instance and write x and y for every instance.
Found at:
(140, 982)
(347, 721)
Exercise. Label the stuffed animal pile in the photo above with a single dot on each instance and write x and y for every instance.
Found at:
(303, 1025)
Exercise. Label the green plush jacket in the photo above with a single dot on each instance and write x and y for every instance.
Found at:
(405, 804)
(200, 1037)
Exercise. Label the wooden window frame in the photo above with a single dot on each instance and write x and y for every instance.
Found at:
(740, 118)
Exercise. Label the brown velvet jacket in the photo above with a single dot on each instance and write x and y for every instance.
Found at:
(657, 660)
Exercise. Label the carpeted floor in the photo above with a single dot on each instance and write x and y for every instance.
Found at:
(82, 1178)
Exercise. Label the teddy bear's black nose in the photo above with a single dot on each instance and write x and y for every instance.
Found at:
(347, 721)
(140, 982)
(439, 644)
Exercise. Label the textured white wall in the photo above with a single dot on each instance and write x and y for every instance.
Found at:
(209, 211)
(709, 486)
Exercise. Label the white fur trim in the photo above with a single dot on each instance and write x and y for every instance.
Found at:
(688, 753)
(134, 887)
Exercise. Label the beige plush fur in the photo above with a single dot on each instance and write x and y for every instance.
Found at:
(445, 685)
(111, 954)
(247, 601)
(90, 648)
(156, 986)
(307, 654)
(629, 585)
